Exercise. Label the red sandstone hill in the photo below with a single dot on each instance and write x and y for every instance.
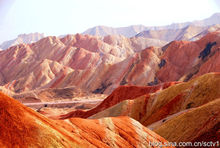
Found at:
(100, 65)
(191, 106)
(52, 62)
(137, 69)
(183, 60)
(22, 127)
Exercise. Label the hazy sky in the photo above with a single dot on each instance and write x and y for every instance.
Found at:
(58, 17)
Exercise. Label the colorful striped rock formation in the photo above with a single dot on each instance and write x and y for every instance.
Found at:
(22, 127)
(79, 60)
(101, 64)
(192, 105)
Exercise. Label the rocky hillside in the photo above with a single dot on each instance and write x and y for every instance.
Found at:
(52, 61)
(23, 127)
(191, 106)
(99, 65)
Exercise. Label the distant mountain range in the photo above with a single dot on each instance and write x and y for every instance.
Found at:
(22, 38)
(188, 33)
(129, 31)
(175, 31)
(156, 34)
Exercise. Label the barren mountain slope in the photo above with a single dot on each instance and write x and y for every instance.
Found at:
(100, 65)
(51, 59)
(183, 60)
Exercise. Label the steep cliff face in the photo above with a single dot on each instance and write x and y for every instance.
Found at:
(22, 127)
